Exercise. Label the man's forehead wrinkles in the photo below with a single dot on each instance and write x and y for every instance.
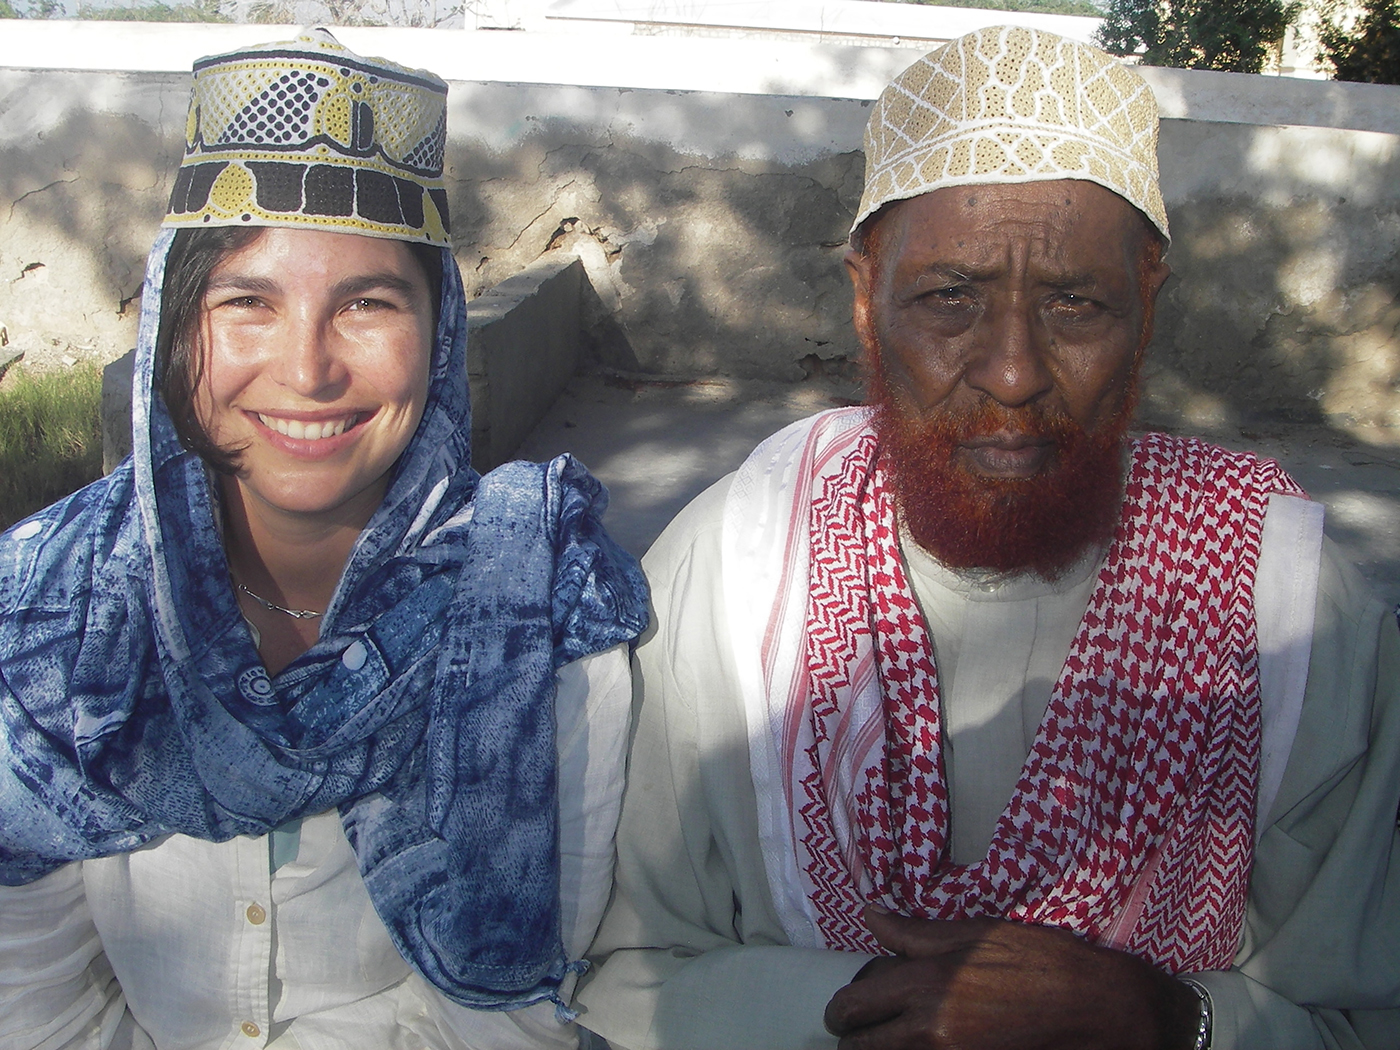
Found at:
(1044, 233)
(930, 276)
(1042, 259)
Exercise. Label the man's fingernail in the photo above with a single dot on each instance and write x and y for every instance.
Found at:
(878, 910)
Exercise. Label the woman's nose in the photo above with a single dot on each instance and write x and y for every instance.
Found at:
(306, 360)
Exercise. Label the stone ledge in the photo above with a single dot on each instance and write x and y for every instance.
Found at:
(524, 340)
(117, 378)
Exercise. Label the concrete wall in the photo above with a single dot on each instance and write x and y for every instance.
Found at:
(711, 222)
(1287, 259)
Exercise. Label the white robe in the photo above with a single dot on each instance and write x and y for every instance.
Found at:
(693, 951)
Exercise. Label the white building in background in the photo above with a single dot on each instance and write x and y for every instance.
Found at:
(859, 23)
(850, 22)
(1302, 42)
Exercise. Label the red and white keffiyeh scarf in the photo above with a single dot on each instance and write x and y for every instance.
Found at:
(1132, 822)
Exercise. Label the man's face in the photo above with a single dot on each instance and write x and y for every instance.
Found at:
(1005, 325)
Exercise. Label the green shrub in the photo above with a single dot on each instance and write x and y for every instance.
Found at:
(1235, 36)
(1368, 50)
(50, 437)
(155, 11)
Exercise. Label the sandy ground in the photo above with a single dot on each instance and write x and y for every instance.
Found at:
(656, 444)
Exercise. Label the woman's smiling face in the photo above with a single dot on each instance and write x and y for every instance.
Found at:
(317, 356)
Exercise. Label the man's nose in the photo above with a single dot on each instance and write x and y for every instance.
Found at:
(1008, 363)
(306, 360)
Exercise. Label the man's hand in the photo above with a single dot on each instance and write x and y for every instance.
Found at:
(988, 984)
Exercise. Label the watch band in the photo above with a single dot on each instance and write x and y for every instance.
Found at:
(1207, 1023)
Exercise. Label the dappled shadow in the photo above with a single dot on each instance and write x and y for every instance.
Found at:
(1285, 305)
(657, 445)
(712, 228)
(1282, 311)
(87, 159)
(723, 263)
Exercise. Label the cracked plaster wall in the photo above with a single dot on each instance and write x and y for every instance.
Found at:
(1285, 298)
(84, 162)
(712, 227)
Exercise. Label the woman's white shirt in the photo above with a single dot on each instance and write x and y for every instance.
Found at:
(192, 945)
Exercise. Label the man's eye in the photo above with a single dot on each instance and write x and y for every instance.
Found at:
(1071, 302)
(364, 304)
(951, 294)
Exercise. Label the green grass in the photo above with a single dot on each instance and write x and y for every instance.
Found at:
(50, 437)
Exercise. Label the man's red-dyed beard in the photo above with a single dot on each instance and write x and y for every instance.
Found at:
(1042, 524)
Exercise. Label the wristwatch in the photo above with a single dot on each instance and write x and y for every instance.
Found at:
(1204, 1028)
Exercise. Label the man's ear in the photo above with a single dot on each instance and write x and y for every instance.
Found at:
(860, 266)
(1155, 277)
(1154, 274)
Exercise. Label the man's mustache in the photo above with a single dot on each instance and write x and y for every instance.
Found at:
(994, 424)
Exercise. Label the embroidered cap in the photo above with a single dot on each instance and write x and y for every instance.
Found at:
(308, 134)
(1008, 104)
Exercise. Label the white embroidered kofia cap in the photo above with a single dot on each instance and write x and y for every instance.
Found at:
(309, 134)
(1008, 104)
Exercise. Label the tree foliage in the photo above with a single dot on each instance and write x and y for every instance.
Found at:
(156, 11)
(1231, 35)
(329, 12)
(1369, 50)
(34, 9)
(421, 13)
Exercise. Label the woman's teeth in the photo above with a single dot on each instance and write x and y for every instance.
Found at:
(295, 428)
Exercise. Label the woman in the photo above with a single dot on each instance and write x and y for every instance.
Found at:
(279, 695)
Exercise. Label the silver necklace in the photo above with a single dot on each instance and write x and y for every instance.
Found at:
(296, 614)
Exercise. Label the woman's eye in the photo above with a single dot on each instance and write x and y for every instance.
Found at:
(238, 302)
(369, 304)
(243, 300)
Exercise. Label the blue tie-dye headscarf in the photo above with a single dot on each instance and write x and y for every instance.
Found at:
(133, 702)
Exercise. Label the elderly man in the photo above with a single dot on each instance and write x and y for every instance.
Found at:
(967, 721)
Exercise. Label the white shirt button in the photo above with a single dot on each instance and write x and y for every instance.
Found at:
(251, 1030)
(354, 656)
(257, 914)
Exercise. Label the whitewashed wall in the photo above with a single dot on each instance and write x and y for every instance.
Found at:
(708, 185)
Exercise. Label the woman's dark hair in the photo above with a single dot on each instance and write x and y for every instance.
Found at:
(180, 358)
